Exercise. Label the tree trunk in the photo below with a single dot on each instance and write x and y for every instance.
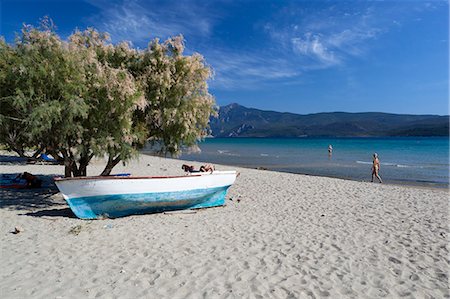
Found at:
(67, 168)
(110, 165)
(84, 162)
(13, 145)
(75, 170)
(19, 151)
(82, 169)
(68, 163)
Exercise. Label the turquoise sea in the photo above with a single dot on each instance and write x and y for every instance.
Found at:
(408, 160)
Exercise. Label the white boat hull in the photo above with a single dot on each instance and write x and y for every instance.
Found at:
(111, 197)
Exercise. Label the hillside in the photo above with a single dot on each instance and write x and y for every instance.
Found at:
(235, 120)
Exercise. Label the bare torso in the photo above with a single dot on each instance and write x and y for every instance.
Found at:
(376, 165)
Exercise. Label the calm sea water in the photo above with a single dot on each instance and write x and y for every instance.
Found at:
(403, 160)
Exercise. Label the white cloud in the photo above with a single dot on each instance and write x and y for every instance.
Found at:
(298, 38)
(328, 37)
(247, 70)
(312, 46)
(140, 21)
(302, 41)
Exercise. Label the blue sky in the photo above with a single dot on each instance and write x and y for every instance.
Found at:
(290, 56)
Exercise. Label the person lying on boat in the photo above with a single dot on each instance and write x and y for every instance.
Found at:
(203, 168)
(207, 168)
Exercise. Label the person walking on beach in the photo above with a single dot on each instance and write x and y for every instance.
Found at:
(376, 167)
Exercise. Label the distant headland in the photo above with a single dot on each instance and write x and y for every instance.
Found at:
(235, 120)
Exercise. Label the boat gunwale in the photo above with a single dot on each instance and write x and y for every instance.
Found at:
(133, 177)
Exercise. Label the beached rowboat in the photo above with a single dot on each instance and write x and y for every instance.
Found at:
(114, 196)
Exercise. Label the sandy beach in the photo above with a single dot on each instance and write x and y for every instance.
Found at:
(279, 235)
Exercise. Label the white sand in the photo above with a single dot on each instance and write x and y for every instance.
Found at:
(289, 236)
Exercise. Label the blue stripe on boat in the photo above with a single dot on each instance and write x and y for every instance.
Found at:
(118, 205)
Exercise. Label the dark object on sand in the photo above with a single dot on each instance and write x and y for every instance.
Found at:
(32, 181)
(20, 181)
(17, 230)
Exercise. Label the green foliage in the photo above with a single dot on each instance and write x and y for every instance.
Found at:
(178, 102)
(42, 98)
(86, 97)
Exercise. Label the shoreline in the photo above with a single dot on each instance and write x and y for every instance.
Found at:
(407, 161)
(278, 235)
(406, 183)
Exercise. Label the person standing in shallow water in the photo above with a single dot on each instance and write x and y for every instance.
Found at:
(376, 167)
(330, 150)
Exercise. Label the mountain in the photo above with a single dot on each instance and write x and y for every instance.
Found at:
(235, 120)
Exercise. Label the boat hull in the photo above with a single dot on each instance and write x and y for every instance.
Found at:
(93, 198)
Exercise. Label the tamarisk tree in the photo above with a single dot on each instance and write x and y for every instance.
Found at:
(177, 102)
(42, 92)
(86, 97)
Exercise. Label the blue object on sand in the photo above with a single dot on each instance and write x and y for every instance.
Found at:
(12, 181)
(47, 158)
